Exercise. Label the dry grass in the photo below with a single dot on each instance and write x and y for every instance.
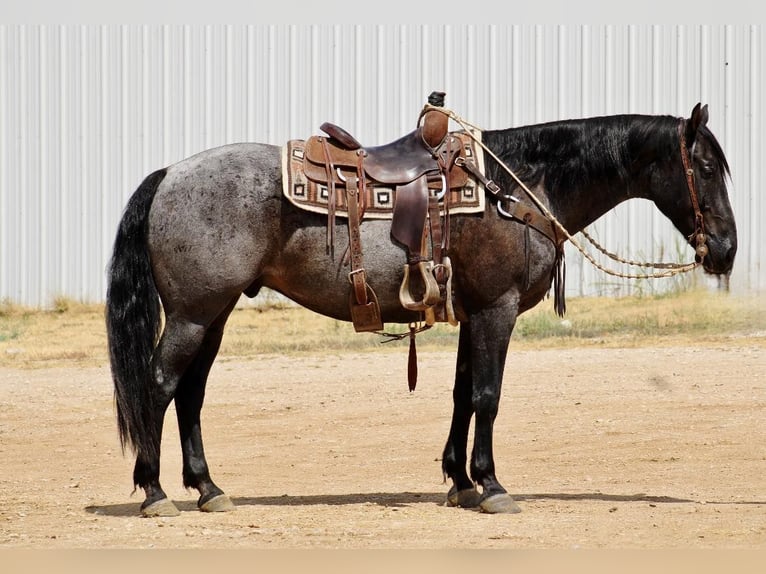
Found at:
(73, 334)
(70, 334)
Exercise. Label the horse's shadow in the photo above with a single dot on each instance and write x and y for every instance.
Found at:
(402, 499)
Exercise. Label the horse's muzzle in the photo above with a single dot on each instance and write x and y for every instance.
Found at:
(719, 259)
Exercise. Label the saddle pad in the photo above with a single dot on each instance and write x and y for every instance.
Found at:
(379, 201)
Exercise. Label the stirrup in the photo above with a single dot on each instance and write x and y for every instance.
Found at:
(430, 298)
(445, 308)
(451, 319)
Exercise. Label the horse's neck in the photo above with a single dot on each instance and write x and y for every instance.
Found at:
(578, 191)
(582, 205)
(578, 206)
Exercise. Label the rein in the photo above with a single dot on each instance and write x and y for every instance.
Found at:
(668, 269)
(537, 221)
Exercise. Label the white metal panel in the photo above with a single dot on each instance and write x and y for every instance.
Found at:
(87, 111)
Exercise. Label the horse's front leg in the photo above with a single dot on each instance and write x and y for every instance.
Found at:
(454, 460)
(490, 333)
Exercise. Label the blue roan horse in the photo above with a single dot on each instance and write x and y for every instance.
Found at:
(199, 233)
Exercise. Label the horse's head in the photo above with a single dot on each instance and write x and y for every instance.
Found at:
(715, 239)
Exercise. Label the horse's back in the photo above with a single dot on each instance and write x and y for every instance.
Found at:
(216, 169)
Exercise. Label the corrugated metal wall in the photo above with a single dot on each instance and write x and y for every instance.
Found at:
(87, 111)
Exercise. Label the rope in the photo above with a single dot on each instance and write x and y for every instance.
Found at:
(670, 269)
(415, 329)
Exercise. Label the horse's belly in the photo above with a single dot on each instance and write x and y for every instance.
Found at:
(310, 275)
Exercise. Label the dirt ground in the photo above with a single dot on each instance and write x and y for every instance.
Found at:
(647, 448)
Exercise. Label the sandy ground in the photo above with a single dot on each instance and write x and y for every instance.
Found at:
(649, 448)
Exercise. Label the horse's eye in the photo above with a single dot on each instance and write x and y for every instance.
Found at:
(707, 170)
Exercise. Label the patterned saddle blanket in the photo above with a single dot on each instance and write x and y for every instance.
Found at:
(312, 194)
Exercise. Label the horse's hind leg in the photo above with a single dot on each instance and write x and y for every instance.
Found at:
(180, 342)
(188, 399)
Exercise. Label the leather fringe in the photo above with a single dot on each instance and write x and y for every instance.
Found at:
(412, 362)
(559, 282)
(526, 254)
(331, 202)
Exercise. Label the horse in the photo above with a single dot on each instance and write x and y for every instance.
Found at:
(197, 234)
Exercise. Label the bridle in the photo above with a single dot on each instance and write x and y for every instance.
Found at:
(699, 226)
(664, 269)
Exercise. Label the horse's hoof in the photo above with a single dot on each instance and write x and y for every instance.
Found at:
(220, 503)
(466, 498)
(499, 504)
(163, 507)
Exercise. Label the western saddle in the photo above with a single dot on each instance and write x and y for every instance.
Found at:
(421, 167)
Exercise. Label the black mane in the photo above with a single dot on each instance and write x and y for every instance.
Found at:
(720, 156)
(568, 154)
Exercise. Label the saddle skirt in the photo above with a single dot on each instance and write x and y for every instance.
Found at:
(304, 182)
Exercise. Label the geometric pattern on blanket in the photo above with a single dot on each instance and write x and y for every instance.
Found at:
(310, 195)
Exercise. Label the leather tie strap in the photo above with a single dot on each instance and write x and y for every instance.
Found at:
(357, 274)
(452, 155)
(434, 221)
(330, 197)
(362, 195)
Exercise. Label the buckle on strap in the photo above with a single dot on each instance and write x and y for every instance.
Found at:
(356, 272)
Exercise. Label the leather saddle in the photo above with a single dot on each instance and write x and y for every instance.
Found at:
(401, 161)
(420, 166)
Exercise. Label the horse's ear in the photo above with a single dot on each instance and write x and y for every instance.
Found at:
(698, 119)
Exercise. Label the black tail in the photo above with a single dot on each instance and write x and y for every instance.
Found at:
(133, 322)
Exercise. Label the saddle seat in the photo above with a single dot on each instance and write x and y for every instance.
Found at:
(400, 161)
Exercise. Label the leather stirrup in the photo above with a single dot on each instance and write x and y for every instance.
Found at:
(431, 296)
